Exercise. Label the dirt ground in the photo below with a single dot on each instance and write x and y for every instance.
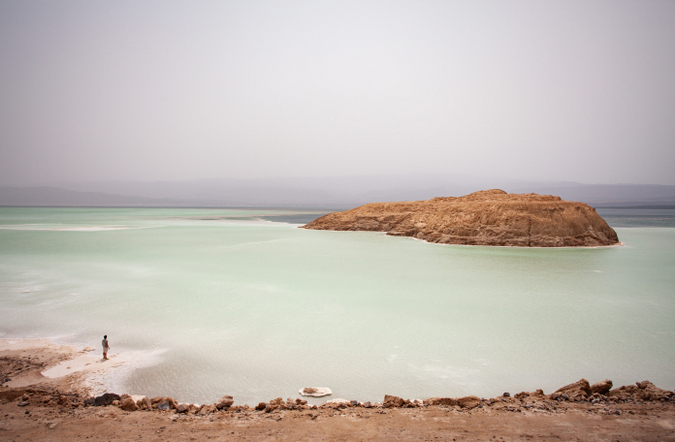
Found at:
(36, 408)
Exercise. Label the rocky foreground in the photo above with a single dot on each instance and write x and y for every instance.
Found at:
(490, 218)
(575, 412)
(37, 408)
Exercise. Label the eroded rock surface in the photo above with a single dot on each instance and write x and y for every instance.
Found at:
(489, 217)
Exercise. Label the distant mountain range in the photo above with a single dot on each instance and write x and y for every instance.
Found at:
(325, 192)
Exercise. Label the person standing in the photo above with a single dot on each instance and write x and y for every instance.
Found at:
(106, 347)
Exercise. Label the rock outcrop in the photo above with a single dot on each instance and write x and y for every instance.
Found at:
(489, 217)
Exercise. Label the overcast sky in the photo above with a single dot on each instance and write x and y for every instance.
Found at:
(163, 90)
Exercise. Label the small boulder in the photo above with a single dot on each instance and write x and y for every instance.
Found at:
(392, 401)
(261, 406)
(601, 387)
(127, 403)
(206, 409)
(580, 389)
(225, 402)
(182, 408)
(650, 392)
(103, 400)
(144, 403)
(468, 402)
(440, 401)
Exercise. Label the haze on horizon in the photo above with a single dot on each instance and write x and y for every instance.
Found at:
(175, 90)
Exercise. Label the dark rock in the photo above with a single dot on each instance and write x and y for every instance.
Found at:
(164, 406)
(261, 406)
(23, 403)
(103, 400)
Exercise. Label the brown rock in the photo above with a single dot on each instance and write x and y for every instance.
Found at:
(489, 217)
(579, 389)
(127, 403)
(206, 409)
(261, 406)
(601, 387)
(624, 392)
(182, 408)
(440, 401)
(468, 401)
(224, 402)
(144, 404)
(392, 401)
(650, 392)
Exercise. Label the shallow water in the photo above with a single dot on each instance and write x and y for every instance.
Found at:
(228, 302)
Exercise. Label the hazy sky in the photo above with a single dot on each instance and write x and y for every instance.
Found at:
(165, 90)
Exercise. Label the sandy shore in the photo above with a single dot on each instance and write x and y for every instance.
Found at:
(45, 386)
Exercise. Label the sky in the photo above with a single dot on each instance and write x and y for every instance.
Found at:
(184, 90)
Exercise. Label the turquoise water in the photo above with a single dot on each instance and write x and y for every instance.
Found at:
(229, 302)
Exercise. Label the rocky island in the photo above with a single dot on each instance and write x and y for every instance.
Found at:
(489, 218)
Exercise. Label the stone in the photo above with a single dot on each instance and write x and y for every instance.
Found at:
(206, 409)
(155, 401)
(506, 394)
(23, 403)
(392, 401)
(144, 403)
(468, 402)
(127, 403)
(578, 390)
(103, 400)
(448, 401)
(224, 402)
(182, 408)
(316, 391)
(489, 217)
(650, 392)
(601, 387)
(164, 406)
(261, 406)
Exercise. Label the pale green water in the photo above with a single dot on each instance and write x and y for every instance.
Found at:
(259, 309)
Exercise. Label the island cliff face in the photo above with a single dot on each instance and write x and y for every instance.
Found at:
(489, 217)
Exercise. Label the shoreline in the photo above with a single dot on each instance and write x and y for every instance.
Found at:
(50, 396)
(84, 372)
